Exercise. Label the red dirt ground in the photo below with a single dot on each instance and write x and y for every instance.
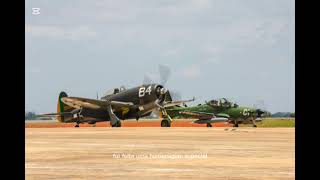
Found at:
(151, 123)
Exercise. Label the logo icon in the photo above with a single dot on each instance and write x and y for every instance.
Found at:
(35, 11)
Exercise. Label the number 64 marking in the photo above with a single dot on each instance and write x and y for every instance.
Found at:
(143, 91)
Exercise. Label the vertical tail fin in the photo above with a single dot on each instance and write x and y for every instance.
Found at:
(61, 107)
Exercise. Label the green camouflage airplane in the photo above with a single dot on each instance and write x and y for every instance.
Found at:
(220, 110)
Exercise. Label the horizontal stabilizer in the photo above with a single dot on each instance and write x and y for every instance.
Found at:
(53, 114)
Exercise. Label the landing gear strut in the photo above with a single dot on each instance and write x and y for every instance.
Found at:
(114, 120)
(254, 123)
(78, 116)
(236, 123)
(78, 122)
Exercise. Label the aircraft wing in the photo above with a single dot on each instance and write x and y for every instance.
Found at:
(223, 115)
(52, 114)
(120, 104)
(197, 114)
(204, 117)
(48, 115)
(174, 103)
(212, 120)
(77, 102)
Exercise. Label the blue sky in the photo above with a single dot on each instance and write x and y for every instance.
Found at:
(239, 49)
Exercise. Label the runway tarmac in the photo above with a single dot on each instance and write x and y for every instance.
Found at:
(126, 123)
(160, 153)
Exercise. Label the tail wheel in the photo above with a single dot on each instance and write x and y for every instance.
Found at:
(78, 123)
(165, 123)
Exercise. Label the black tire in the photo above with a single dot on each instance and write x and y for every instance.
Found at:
(165, 123)
(77, 125)
(209, 125)
(117, 124)
(236, 125)
(254, 125)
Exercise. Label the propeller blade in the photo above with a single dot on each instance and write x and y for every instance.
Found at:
(260, 104)
(164, 74)
(175, 95)
(147, 79)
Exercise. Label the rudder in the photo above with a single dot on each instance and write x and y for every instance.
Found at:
(62, 108)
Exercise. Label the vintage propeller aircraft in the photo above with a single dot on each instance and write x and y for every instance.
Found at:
(118, 105)
(220, 110)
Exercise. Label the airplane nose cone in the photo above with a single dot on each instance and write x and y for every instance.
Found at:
(163, 91)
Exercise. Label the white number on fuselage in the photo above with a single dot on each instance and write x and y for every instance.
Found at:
(148, 90)
(245, 112)
(143, 91)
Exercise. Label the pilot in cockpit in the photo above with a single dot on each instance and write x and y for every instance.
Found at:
(116, 90)
(122, 88)
(225, 103)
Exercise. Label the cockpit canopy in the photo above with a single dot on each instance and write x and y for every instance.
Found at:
(223, 102)
(114, 91)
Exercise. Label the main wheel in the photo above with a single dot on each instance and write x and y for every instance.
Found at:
(236, 125)
(77, 125)
(209, 125)
(117, 124)
(165, 123)
(254, 125)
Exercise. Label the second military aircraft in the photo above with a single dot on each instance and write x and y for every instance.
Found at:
(221, 110)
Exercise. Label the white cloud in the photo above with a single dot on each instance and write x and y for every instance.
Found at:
(200, 4)
(191, 72)
(56, 32)
(266, 31)
(213, 50)
(213, 60)
(171, 52)
(212, 54)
